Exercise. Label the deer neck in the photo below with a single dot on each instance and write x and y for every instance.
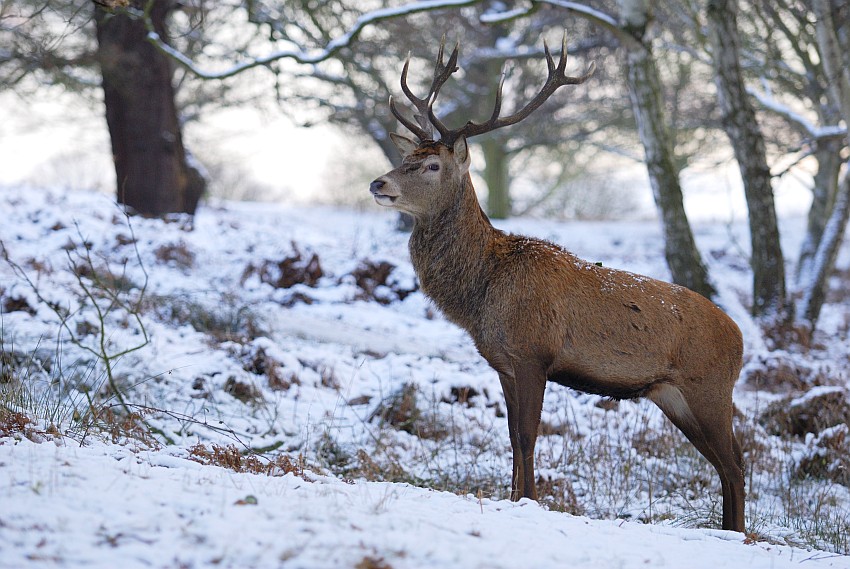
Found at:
(448, 251)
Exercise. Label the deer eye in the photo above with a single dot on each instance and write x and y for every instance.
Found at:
(434, 167)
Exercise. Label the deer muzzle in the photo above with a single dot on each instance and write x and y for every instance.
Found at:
(377, 189)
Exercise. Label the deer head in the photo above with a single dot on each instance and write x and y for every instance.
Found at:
(435, 169)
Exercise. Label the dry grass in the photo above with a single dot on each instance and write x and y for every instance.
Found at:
(232, 458)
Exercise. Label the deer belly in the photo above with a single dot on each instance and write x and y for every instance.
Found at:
(615, 387)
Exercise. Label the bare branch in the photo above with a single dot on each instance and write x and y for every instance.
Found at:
(797, 120)
(300, 56)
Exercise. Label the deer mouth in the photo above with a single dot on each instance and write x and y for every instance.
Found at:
(384, 199)
(381, 198)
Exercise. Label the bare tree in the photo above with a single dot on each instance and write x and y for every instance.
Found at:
(92, 45)
(838, 79)
(785, 61)
(739, 122)
(154, 173)
(681, 252)
(683, 257)
(352, 89)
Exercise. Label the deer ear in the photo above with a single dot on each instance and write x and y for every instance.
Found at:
(405, 145)
(461, 152)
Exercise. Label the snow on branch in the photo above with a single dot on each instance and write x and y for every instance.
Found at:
(300, 56)
(601, 18)
(500, 17)
(812, 130)
(592, 15)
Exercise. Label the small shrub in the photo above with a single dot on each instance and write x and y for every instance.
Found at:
(401, 411)
(122, 426)
(328, 378)
(259, 362)
(779, 373)
(177, 254)
(827, 457)
(288, 272)
(106, 282)
(13, 424)
(16, 304)
(462, 395)
(370, 562)
(373, 280)
(227, 320)
(558, 495)
(244, 392)
(813, 412)
(231, 458)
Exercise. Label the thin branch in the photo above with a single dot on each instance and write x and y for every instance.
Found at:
(301, 56)
(813, 131)
(599, 18)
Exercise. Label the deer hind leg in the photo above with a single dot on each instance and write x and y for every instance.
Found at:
(708, 425)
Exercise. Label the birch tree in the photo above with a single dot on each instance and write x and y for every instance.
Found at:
(681, 251)
(739, 122)
(683, 258)
(838, 79)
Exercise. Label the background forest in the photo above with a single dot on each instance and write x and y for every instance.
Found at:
(274, 325)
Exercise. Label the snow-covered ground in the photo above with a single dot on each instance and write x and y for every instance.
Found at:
(370, 388)
(106, 506)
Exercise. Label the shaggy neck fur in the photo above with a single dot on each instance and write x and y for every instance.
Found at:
(449, 254)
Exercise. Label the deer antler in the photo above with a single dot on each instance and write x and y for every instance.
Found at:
(425, 118)
(425, 128)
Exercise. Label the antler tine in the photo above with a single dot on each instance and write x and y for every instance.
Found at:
(425, 107)
(556, 78)
(408, 93)
(420, 130)
(497, 106)
(416, 129)
(550, 63)
(442, 72)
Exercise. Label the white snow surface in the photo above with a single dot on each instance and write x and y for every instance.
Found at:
(105, 506)
(126, 504)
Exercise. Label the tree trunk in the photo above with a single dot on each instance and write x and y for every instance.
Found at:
(816, 281)
(683, 257)
(838, 79)
(154, 174)
(497, 178)
(823, 199)
(739, 121)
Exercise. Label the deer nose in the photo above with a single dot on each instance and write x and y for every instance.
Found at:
(375, 187)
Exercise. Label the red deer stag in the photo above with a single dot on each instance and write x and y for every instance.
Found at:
(536, 312)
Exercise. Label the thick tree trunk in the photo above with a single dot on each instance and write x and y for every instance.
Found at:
(497, 178)
(154, 176)
(739, 121)
(680, 249)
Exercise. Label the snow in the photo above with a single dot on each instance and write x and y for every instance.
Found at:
(303, 56)
(104, 506)
(94, 499)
